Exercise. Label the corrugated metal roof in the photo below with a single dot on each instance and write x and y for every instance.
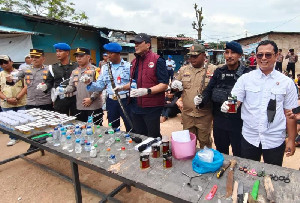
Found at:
(4, 29)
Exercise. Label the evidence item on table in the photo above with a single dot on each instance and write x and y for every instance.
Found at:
(155, 150)
(144, 160)
(167, 160)
(212, 193)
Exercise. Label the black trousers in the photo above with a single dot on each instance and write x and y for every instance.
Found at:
(291, 67)
(271, 156)
(224, 138)
(147, 124)
(170, 112)
(84, 114)
(66, 105)
(278, 66)
(43, 107)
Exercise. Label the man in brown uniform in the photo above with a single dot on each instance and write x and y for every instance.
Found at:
(279, 60)
(293, 58)
(197, 121)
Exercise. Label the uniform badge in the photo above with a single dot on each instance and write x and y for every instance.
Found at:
(186, 74)
(277, 83)
(151, 65)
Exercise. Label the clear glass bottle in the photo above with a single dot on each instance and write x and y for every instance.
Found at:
(123, 153)
(78, 148)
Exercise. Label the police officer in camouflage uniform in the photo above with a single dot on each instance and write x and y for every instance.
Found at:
(87, 103)
(59, 73)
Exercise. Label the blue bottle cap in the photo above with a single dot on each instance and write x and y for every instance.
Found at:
(89, 127)
(63, 133)
(55, 128)
(68, 137)
(77, 140)
(112, 156)
(88, 143)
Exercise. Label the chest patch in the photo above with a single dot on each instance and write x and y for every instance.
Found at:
(151, 65)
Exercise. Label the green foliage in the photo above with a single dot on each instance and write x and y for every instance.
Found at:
(215, 45)
(58, 9)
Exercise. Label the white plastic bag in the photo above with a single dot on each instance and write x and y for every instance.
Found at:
(206, 155)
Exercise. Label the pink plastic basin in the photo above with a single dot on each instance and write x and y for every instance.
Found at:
(184, 150)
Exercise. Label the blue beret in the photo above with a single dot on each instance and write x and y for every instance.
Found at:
(169, 56)
(62, 46)
(113, 47)
(234, 46)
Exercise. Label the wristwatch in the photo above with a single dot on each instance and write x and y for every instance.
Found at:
(149, 91)
(92, 98)
(5, 100)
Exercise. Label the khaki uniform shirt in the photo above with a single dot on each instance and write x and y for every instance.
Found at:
(11, 91)
(32, 77)
(80, 87)
(191, 80)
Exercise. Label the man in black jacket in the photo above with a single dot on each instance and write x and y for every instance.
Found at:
(227, 128)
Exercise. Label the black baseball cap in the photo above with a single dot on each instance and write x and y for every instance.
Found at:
(141, 37)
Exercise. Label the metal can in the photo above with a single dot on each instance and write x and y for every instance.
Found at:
(165, 147)
(167, 160)
(144, 160)
(155, 150)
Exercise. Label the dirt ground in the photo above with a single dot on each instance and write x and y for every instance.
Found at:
(24, 182)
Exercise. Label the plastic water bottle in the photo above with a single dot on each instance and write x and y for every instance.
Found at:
(98, 130)
(63, 140)
(123, 153)
(117, 143)
(77, 131)
(90, 134)
(133, 84)
(90, 123)
(93, 152)
(56, 136)
(78, 147)
(118, 133)
(102, 156)
(101, 139)
(61, 92)
(112, 159)
(109, 142)
(69, 144)
(110, 129)
(87, 147)
(127, 138)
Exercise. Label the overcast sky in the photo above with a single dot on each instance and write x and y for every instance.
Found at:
(224, 19)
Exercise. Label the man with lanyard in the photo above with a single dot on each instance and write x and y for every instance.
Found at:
(279, 61)
(170, 66)
(293, 59)
(148, 99)
(59, 74)
(197, 121)
(227, 128)
(267, 95)
(120, 70)
(87, 103)
(12, 97)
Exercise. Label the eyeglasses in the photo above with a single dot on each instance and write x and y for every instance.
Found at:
(267, 55)
(3, 62)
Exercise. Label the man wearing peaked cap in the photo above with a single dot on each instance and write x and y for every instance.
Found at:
(82, 51)
(227, 129)
(147, 101)
(28, 61)
(293, 59)
(120, 70)
(59, 73)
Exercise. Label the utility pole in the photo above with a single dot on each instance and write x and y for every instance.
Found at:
(198, 26)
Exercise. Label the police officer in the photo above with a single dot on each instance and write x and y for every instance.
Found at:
(120, 70)
(227, 128)
(59, 73)
(170, 66)
(87, 103)
(197, 121)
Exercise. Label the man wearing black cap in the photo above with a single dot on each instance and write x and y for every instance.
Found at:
(151, 76)
(293, 58)
(227, 128)
(59, 74)
(120, 71)
(87, 103)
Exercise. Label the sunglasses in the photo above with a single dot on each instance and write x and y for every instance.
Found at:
(3, 62)
(267, 55)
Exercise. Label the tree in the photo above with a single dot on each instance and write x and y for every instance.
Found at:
(58, 9)
(198, 26)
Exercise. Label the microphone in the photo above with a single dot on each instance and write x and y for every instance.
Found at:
(144, 146)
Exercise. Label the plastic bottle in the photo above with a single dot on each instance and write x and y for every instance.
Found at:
(123, 153)
(61, 92)
(77, 131)
(117, 143)
(127, 138)
(101, 139)
(133, 84)
(87, 147)
(69, 144)
(102, 156)
(56, 136)
(93, 152)
(90, 123)
(110, 129)
(112, 159)
(63, 140)
(62, 130)
(90, 134)
(109, 142)
(78, 147)
(118, 133)
(98, 130)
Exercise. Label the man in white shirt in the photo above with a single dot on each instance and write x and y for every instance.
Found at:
(266, 95)
(170, 66)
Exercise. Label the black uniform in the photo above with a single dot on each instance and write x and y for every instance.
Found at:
(62, 72)
(227, 127)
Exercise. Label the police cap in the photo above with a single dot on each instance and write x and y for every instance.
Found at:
(62, 46)
(113, 47)
(234, 46)
(196, 49)
(36, 52)
(82, 51)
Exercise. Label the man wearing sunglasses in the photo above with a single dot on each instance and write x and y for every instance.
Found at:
(197, 121)
(12, 97)
(227, 128)
(267, 95)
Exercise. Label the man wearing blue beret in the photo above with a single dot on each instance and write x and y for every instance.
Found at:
(227, 128)
(170, 66)
(59, 74)
(120, 71)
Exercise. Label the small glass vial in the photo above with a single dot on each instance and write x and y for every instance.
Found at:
(144, 160)
(232, 103)
(167, 160)
(155, 150)
(165, 147)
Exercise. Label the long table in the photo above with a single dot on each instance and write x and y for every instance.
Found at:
(170, 183)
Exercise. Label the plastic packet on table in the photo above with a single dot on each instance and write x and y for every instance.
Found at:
(206, 155)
